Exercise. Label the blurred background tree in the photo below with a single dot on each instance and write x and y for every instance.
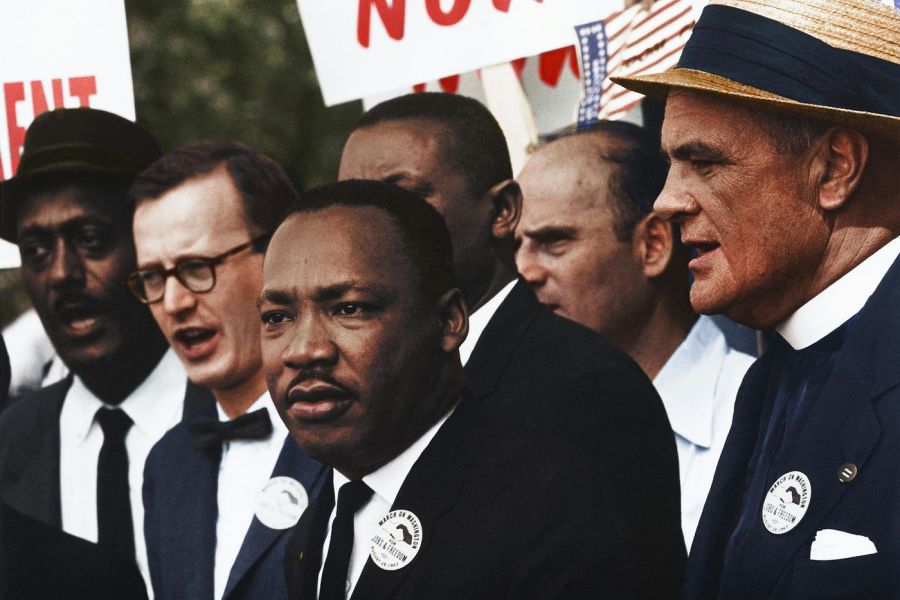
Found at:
(238, 69)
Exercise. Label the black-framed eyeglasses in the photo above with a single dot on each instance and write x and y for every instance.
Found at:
(196, 273)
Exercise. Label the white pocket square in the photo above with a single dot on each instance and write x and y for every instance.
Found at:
(831, 544)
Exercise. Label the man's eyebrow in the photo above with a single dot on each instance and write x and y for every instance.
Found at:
(273, 297)
(548, 233)
(337, 290)
(415, 185)
(695, 149)
(68, 227)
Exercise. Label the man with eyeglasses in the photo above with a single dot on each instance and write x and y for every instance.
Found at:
(72, 454)
(223, 488)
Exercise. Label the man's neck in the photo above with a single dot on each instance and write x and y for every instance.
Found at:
(502, 276)
(236, 399)
(112, 381)
(668, 324)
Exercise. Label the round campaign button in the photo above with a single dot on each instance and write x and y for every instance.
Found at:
(786, 502)
(281, 502)
(397, 540)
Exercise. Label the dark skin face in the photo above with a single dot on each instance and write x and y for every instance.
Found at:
(358, 361)
(76, 250)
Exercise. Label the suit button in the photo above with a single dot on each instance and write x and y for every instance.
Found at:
(847, 473)
(300, 557)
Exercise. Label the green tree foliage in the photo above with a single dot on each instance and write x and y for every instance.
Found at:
(237, 69)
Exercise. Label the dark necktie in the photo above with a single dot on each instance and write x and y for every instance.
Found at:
(252, 426)
(353, 495)
(114, 526)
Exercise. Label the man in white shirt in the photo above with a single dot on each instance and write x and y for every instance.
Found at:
(785, 166)
(362, 323)
(73, 453)
(592, 250)
(522, 362)
(223, 488)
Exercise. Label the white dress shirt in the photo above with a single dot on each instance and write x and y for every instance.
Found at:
(479, 319)
(698, 385)
(385, 483)
(834, 305)
(245, 468)
(155, 406)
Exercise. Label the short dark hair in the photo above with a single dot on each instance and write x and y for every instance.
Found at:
(473, 138)
(422, 228)
(266, 191)
(635, 185)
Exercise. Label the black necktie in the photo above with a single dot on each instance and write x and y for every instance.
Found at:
(114, 526)
(352, 496)
(252, 426)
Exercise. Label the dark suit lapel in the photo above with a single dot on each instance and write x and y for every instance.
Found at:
(430, 490)
(34, 463)
(304, 552)
(500, 338)
(296, 465)
(843, 428)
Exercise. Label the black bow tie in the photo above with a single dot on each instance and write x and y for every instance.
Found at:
(252, 426)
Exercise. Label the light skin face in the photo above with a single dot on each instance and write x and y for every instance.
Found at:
(216, 333)
(408, 153)
(568, 250)
(356, 357)
(76, 251)
(751, 213)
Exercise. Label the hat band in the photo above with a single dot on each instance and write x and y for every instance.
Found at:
(768, 55)
(64, 156)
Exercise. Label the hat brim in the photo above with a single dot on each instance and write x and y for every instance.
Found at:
(658, 86)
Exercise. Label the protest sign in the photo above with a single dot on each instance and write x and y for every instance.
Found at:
(58, 54)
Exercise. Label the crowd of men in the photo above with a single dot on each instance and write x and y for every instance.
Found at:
(433, 379)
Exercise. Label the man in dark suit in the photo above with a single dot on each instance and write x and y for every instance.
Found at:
(786, 183)
(223, 488)
(523, 363)
(435, 498)
(72, 454)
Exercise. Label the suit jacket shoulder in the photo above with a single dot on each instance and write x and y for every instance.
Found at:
(505, 512)
(29, 453)
(540, 370)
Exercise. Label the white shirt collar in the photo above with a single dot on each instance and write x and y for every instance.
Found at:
(687, 382)
(834, 305)
(387, 480)
(479, 319)
(264, 401)
(142, 405)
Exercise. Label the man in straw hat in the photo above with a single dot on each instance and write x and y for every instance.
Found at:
(783, 129)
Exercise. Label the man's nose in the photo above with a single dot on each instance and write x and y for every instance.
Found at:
(311, 344)
(675, 202)
(530, 266)
(67, 267)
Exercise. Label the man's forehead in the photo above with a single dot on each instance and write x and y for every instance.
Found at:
(56, 207)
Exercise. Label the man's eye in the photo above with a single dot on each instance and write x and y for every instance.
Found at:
(34, 252)
(274, 317)
(351, 309)
(92, 239)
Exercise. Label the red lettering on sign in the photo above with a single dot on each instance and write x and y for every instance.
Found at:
(38, 99)
(57, 94)
(449, 84)
(393, 17)
(551, 64)
(452, 17)
(14, 93)
(83, 88)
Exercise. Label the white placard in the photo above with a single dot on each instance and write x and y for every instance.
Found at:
(368, 47)
(56, 54)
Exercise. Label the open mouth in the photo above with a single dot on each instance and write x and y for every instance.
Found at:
(194, 343)
(80, 317)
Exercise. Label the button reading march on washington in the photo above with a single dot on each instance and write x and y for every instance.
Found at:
(281, 502)
(847, 473)
(786, 502)
(397, 540)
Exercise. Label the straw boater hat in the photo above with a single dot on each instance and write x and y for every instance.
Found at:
(834, 60)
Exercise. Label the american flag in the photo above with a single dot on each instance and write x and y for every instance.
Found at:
(642, 41)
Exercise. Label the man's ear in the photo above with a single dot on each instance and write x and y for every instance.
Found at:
(506, 208)
(653, 244)
(841, 155)
(454, 316)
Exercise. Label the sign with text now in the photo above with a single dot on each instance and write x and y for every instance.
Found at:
(368, 47)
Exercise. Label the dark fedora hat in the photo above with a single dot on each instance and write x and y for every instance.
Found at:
(834, 60)
(75, 142)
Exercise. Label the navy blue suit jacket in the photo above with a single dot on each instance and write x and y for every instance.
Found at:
(855, 419)
(181, 509)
